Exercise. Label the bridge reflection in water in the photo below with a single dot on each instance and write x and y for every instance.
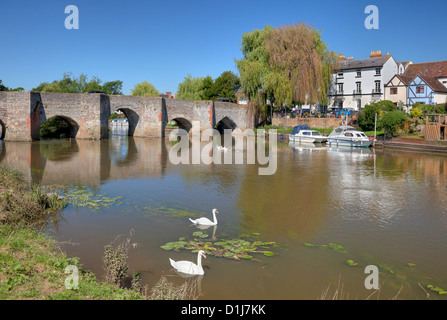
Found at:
(86, 162)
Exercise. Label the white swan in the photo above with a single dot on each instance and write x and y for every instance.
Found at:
(189, 267)
(206, 221)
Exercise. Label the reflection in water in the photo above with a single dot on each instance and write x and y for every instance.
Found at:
(387, 208)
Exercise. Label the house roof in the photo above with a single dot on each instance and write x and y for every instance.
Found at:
(431, 69)
(365, 63)
(404, 62)
(434, 84)
(427, 71)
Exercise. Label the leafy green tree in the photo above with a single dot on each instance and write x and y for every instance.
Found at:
(391, 120)
(145, 89)
(367, 116)
(386, 105)
(113, 87)
(298, 54)
(286, 65)
(80, 84)
(191, 88)
(207, 91)
(255, 64)
(55, 128)
(2, 87)
(225, 86)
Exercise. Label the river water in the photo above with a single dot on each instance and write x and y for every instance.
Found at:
(385, 208)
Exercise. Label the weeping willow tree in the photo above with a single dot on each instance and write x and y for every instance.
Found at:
(254, 66)
(286, 65)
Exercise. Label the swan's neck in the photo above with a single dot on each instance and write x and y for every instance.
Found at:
(214, 217)
(199, 262)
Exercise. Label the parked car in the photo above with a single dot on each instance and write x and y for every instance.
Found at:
(96, 92)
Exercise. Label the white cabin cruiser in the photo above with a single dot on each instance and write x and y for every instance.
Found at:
(348, 136)
(303, 133)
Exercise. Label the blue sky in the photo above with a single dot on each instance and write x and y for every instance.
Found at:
(163, 41)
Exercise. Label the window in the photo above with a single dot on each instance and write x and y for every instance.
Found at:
(359, 73)
(340, 74)
(340, 87)
(306, 133)
(348, 134)
(377, 87)
(393, 90)
(358, 87)
(315, 133)
(378, 71)
(419, 89)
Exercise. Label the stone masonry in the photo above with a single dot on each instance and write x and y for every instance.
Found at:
(22, 113)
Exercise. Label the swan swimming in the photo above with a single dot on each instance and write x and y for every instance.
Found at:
(189, 267)
(206, 221)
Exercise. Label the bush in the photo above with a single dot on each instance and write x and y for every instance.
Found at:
(391, 120)
(367, 116)
(55, 128)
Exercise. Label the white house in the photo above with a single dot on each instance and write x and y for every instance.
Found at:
(357, 83)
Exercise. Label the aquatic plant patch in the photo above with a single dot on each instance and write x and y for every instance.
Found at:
(174, 212)
(235, 248)
(80, 196)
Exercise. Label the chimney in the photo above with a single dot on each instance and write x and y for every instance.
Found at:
(169, 95)
(350, 58)
(341, 57)
(376, 54)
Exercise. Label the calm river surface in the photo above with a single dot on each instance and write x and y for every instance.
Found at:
(385, 208)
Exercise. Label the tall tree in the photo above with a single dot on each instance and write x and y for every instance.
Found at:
(113, 87)
(191, 88)
(145, 89)
(255, 64)
(297, 53)
(225, 86)
(206, 89)
(290, 64)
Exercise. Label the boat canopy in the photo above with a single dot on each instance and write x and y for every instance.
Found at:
(299, 128)
(339, 130)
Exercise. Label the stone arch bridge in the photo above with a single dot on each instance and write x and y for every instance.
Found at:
(22, 113)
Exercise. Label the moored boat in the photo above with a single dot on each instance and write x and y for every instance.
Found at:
(303, 133)
(348, 136)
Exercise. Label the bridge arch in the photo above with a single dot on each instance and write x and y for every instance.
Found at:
(225, 123)
(132, 117)
(2, 130)
(59, 126)
(180, 122)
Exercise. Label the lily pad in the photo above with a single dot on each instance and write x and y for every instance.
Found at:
(268, 254)
(411, 264)
(173, 245)
(351, 263)
(200, 234)
(308, 244)
(437, 289)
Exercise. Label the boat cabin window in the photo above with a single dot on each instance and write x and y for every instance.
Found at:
(315, 133)
(338, 130)
(348, 134)
(306, 133)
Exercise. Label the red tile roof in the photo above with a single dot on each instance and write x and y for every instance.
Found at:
(428, 72)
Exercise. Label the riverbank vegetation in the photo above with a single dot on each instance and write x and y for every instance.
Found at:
(32, 264)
